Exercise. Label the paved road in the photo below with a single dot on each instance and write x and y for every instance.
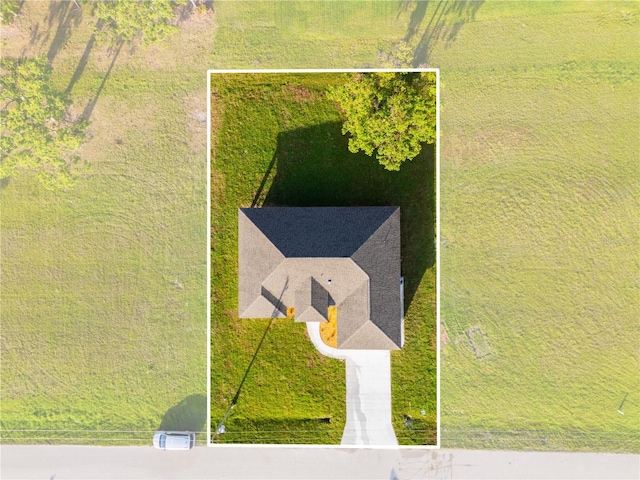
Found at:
(87, 463)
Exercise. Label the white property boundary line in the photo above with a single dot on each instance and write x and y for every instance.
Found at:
(437, 241)
(208, 259)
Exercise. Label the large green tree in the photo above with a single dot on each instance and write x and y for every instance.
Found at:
(129, 20)
(38, 133)
(391, 114)
(8, 11)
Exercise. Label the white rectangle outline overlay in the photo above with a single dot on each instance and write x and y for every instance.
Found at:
(437, 241)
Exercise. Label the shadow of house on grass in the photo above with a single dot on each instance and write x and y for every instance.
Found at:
(188, 415)
(313, 167)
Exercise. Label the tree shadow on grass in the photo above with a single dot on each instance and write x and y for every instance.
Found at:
(188, 415)
(63, 17)
(88, 110)
(446, 18)
(82, 64)
(313, 167)
(4, 182)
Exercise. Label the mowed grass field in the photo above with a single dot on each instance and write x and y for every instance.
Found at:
(277, 141)
(540, 169)
(539, 203)
(539, 189)
(104, 286)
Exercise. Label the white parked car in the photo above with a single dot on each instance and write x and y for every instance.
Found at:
(174, 440)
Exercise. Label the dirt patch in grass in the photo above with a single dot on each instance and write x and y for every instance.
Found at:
(10, 31)
(195, 19)
(196, 107)
(111, 123)
(479, 342)
(486, 146)
(299, 93)
(444, 336)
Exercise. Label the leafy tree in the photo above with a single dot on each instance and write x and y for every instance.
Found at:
(37, 131)
(399, 56)
(8, 11)
(128, 20)
(389, 113)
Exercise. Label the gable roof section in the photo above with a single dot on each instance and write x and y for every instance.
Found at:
(367, 334)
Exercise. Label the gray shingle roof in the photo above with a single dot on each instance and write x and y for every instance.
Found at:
(312, 257)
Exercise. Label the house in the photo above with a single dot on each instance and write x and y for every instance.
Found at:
(305, 262)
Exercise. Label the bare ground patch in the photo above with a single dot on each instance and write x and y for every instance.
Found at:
(190, 45)
(485, 147)
(109, 128)
(479, 342)
(444, 336)
(196, 108)
(299, 93)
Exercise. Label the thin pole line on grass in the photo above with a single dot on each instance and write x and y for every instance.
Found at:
(235, 398)
(621, 404)
(246, 373)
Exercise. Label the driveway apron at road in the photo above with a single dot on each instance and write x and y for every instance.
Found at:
(368, 376)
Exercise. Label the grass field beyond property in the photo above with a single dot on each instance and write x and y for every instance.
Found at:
(540, 169)
(277, 141)
(103, 320)
(539, 181)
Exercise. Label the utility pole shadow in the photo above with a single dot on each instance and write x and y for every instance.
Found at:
(258, 195)
(221, 427)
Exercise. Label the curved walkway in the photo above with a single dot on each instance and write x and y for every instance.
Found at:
(368, 392)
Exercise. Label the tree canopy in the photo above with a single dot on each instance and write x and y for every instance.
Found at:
(389, 113)
(8, 11)
(37, 131)
(127, 20)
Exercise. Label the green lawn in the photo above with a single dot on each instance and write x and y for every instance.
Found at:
(279, 131)
(104, 286)
(540, 229)
(539, 200)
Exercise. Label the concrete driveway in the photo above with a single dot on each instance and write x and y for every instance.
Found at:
(368, 392)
